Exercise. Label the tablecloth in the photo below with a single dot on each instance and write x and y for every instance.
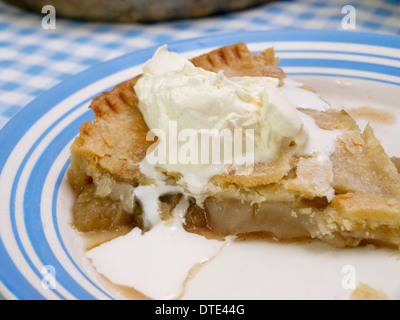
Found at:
(34, 59)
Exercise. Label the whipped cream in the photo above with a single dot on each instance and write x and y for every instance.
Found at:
(184, 105)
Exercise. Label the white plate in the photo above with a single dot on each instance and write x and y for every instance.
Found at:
(349, 69)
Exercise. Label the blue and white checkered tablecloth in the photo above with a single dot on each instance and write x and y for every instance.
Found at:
(33, 59)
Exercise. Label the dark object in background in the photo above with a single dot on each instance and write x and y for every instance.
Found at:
(136, 10)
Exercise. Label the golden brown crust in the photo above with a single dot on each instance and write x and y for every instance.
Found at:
(115, 142)
(261, 174)
(236, 60)
(359, 163)
(369, 217)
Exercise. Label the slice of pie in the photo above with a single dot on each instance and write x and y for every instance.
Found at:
(353, 198)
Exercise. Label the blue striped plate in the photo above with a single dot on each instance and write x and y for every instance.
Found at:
(40, 255)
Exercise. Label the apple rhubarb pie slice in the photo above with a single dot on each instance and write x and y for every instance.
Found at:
(309, 172)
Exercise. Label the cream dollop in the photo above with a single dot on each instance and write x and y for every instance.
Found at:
(181, 100)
